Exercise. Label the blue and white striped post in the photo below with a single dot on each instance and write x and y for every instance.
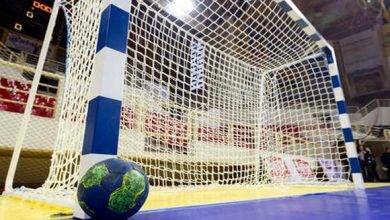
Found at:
(106, 94)
(293, 12)
(346, 127)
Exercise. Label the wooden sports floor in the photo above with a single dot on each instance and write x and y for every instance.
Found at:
(292, 202)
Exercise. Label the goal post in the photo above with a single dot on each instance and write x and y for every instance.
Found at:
(102, 128)
(30, 101)
(289, 7)
(344, 119)
(204, 94)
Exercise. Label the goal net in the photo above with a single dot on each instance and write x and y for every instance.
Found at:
(216, 93)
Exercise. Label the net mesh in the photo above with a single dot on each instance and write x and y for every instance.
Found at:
(228, 93)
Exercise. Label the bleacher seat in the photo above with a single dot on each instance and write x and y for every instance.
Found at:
(49, 113)
(6, 94)
(13, 107)
(51, 102)
(20, 97)
(5, 83)
(21, 86)
(17, 92)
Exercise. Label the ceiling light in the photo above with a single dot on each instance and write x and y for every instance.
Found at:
(179, 8)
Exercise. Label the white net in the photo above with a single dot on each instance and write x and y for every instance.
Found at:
(15, 83)
(227, 93)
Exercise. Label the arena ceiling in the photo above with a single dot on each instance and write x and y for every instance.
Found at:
(336, 19)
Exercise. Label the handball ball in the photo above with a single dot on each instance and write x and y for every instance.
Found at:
(113, 189)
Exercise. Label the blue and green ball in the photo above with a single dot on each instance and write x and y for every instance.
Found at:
(113, 189)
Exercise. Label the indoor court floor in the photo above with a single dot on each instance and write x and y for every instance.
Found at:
(293, 202)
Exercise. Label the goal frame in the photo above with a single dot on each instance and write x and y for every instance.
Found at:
(296, 15)
(30, 101)
(115, 62)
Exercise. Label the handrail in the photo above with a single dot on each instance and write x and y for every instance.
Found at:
(30, 69)
(7, 54)
(50, 65)
(376, 103)
(353, 109)
(363, 129)
(29, 59)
